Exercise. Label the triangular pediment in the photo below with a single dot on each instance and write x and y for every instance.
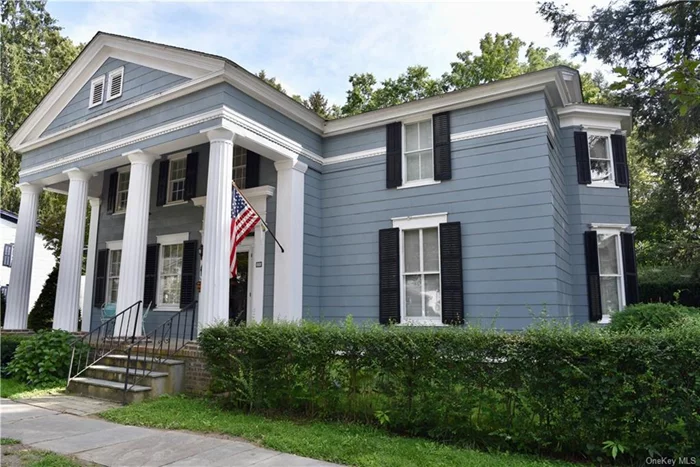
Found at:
(149, 69)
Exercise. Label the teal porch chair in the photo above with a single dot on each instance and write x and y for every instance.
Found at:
(108, 312)
(146, 312)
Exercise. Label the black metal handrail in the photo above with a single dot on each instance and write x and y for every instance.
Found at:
(102, 341)
(151, 348)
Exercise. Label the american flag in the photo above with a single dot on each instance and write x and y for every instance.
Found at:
(243, 221)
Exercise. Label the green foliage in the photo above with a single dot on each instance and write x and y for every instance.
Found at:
(44, 359)
(653, 316)
(41, 316)
(8, 441)
(343, 443)
(8, 346)
(670, 285)
(546, 390)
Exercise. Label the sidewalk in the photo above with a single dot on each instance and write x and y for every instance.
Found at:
(110, 444)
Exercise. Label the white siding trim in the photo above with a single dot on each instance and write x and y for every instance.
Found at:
(114, 245)
(496, 129)
(172, 239)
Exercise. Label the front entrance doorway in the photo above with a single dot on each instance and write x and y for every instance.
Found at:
(238, 290)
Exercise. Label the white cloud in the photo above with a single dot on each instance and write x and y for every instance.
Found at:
(310, 46)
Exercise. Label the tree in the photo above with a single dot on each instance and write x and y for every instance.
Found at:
(655, 50)
(33, 55)
(41, 316)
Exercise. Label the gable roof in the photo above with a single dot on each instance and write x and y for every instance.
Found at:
(204, 70)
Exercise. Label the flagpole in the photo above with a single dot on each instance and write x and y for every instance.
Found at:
(259, 216)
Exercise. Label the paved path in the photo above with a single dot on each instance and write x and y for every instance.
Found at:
(110, 444)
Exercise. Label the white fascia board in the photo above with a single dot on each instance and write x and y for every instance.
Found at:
(188, 64)
(595, 116)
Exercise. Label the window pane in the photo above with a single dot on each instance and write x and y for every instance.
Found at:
(600, 170)
(426, 165)
(607, 253)
(411, 137)
(426, 135)
(609, 293)
(411, 250)
(430, 250)
(598, 147)
(432, 295)
(412, 167)
(413, 297)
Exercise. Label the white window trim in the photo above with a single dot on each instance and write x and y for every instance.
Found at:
(164, 240)
(114, 244)
(113, 73)
(607, 134)
(422, 181)
(422, 221)
(111, 246)
(620, 267)
(120, 171)
(173, 158)
(93, 83)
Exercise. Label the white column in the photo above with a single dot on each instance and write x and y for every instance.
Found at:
(90, 264)
(67, 305)
(257, 268)
(289, 226)
(216, 243)
(132, 271)
(23, 256)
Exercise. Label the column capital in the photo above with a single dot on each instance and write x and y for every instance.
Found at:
(220, 134)
(33, 188)
(94, 202)
(140, 156)
(78, 174)
(291, 164)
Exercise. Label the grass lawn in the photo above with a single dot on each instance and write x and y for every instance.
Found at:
(15, 454)
(14, 389)
(334, 442)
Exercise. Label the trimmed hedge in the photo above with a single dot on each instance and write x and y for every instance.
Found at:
(651, 316)
(670, 285)
(545, 391)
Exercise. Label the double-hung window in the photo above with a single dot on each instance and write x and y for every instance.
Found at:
(122, 192)
(600, 155)
(612, 288)
(418, 151)
(170, 266)
(240, 155)
(176, 179)
(114, 264)
(7, 254)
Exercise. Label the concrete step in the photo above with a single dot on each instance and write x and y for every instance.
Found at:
(147, 363)
(108, 390)
(174, 370)
(158, 381)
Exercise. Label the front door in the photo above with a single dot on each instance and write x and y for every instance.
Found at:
(238, 291)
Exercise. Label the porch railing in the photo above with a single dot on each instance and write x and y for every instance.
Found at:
(102, 341)
(159, 345)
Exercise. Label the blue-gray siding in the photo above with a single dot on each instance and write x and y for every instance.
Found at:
(138, 82)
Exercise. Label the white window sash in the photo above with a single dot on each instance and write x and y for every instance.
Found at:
(620, 276)
(167, 240)
(110, 277)
(171, 180)
(404, 153)
(608, 158)
(118, 196)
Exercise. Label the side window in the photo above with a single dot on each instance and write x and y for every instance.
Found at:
(418, 151)
(176, 180)
(240, 166)
(421, 274)
(600, 154)
(122, 192)
(7, 254)
(115, 261)
(611, 271)
(170, 275)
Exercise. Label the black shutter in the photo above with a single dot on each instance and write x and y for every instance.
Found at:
(98, 295)
(629, 261)
(393, 155)
(252, 170)
(389, 278)
(590, 244)
(189, 272)
(163, 172)
(442, 152)
(191, 176)
(583, 163)
(619, 152)
(451, 283)
(151, 278)
(112, 193)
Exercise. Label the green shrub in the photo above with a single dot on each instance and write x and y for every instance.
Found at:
(8, 346)
(43, 359)
(546, 390)
(652, 316)
(41, 316)
(670, 285)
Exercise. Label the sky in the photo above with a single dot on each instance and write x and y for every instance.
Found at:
(317, 46)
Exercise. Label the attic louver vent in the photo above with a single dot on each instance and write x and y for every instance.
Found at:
(97, 87)
(114, 85)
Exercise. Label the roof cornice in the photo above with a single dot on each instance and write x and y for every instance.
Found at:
(595, 116)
